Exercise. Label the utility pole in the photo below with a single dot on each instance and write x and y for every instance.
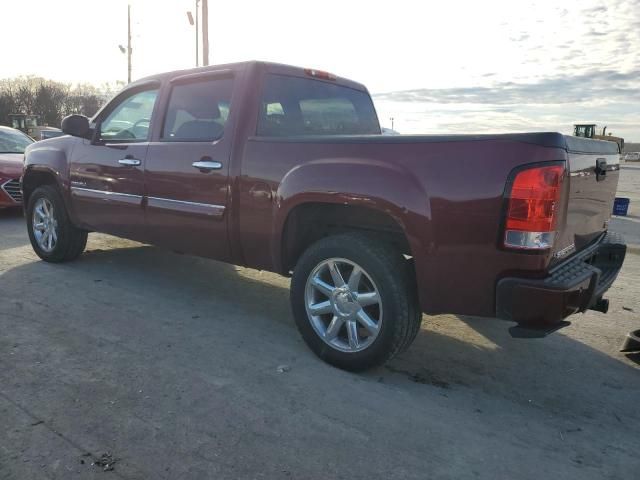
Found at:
(205, 32)
(392, 119)
(129, 43)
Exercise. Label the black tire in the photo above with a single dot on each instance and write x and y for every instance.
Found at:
(415, 306)
(391, 273)
(71, 241)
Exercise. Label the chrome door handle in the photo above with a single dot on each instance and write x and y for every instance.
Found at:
(207, 165)
(131, 162)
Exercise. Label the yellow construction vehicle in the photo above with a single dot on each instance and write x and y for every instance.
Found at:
(588, 130)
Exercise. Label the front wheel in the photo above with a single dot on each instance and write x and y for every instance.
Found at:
(354, 302)
(53, 237)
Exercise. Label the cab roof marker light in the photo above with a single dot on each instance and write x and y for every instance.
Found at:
(319, 74)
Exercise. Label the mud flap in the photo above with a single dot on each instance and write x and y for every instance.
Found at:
(520, 331)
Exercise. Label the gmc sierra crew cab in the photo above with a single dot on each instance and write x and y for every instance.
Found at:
(285, 169)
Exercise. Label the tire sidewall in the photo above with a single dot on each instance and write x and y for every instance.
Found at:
(384, 279)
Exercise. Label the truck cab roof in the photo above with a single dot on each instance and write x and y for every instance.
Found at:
(271, 67)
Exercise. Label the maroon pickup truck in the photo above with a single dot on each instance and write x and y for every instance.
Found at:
(284, 169)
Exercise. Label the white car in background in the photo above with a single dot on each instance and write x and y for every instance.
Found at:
(631, 157)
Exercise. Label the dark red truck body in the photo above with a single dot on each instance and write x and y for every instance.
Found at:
(440, 198)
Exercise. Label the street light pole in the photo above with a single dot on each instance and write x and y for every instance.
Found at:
(205, 32)
(129, 43)
(197, 35)
(192, 23)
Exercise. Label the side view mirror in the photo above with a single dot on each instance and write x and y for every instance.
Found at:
(76, 125)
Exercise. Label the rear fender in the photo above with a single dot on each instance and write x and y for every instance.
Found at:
(376, 185)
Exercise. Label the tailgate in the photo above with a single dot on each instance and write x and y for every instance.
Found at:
(594, 168)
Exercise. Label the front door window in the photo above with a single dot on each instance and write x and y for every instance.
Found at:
(131, 119)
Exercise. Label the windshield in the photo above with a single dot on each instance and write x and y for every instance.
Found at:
(13, 141)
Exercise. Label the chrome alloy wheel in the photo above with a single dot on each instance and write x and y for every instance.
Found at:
(343, 305)
(45, 225)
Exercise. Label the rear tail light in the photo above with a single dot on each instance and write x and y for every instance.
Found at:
(532, 207)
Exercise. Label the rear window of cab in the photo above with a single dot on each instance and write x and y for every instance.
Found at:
(295, 106)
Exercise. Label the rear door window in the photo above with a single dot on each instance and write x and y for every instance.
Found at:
(198, 111)
(298, 106)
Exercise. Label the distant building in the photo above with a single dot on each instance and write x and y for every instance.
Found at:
(631, 147)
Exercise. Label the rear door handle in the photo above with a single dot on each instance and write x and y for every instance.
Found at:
(129, 161)
(207, 165)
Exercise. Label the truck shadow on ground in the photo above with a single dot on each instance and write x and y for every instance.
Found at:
(558, 374)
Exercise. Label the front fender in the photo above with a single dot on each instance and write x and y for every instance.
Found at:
(50, 158)
(359, 182)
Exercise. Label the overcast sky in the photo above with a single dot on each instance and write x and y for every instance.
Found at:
(442, 66)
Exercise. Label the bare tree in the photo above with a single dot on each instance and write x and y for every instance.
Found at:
(51, 100)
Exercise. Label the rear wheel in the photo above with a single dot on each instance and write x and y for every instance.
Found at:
(53, 237)
(354, 302)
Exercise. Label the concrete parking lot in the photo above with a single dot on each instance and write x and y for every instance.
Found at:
(183, 368)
